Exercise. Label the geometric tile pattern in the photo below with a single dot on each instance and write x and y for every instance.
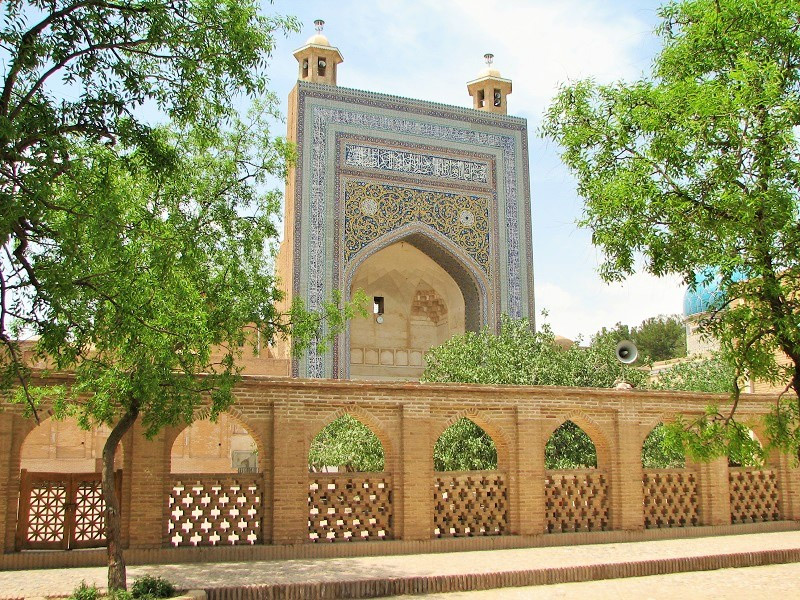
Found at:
(470, 503)
(216, 510)
(61, 511)
(576, 500)
(47, 516)
(754, 495)
(375, 209)
(90, 518)
(670, 498)
(349, 507)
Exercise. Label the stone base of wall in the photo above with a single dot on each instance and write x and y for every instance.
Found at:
(34, 559)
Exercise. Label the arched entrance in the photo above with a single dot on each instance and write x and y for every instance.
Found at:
(417, 304)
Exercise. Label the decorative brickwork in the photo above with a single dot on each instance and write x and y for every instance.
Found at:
(670, 498)
(214, 510)
(470, 503)
(410, 502)
(428, 304)
(754, 495)
(349, 507)
(576, 500)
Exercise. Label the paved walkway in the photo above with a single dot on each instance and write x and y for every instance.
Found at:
(753, 583)
(60, 582)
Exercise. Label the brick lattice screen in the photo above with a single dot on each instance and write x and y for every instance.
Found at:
(754, 495)
(670, 498)
(576, 500)
(215, 510)
(347, 507)
(470, 503)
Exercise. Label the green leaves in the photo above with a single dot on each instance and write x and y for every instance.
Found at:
(696, 168)
(346, 442)
(464, 446)
(519, 356)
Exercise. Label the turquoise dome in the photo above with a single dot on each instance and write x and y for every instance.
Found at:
(706, 294)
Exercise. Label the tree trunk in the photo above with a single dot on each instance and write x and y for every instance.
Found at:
(117, 577)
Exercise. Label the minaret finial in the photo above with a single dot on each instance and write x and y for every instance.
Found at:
(489, 58)
(318, 25)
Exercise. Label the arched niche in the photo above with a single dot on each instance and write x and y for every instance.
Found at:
(464, 446)
(427, 294)
(570, 447)
(658, 454)
(61, 446)
(347, 445)
(222, 446)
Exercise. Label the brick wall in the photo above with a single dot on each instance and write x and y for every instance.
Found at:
(282, 416)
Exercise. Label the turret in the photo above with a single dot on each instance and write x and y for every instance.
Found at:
(318, 59)
(489, 90)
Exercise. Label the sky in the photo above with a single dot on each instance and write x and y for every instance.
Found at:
(429, 49)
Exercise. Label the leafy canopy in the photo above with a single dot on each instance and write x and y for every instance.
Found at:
(657, 338)
(520, 356)
(81, 72)
(346, 442)
(696, 169)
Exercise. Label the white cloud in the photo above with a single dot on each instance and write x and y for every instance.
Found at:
(584, 311)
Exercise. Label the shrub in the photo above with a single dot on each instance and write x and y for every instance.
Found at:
(148, 586)
(85, 592)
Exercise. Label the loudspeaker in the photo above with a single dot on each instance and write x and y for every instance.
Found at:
(627, 352)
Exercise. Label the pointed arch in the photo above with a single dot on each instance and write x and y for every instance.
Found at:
(243, 450)
(595, 433)
(63, 446)
(495, 432)
(464, 270)
(362, 443)
(655, 455)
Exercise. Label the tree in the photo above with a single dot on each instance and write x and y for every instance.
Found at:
(157, 278)
(657, 338)
(81, 71)
(464, 446)
(519, 356)
(696, 169)
(348, 443)
(660, 338)
(714, 374)
(137, 254)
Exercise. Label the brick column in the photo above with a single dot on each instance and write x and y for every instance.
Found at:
(13, 430)
(788, 476)
(7, 516)
(713, 490)
(149, 477)
(263, 428)
(290, 477)
(416, 458)
(627, 499)
(530, 479)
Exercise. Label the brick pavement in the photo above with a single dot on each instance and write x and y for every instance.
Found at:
(38, 583)
(753, 583)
